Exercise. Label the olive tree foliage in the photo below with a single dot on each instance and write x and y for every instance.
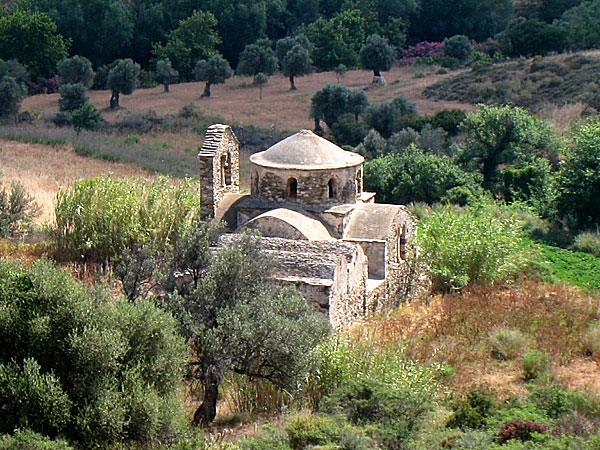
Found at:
(11, 95)
(76, 363)
(17, 209)
(215, 70)
(296, 63)
(578, 182)
(334, 100)
(458, 46)
(86, 117)
(77, 69)
(122, 79)
(284, 45)
(376, 55)
(500, 137)
(257, 58)
(72, 97)
(260, 80)
(165, 73)
(237, 320)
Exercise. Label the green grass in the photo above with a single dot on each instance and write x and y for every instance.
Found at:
(575, 268)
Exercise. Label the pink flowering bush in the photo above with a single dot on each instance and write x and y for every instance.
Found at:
(421, 50)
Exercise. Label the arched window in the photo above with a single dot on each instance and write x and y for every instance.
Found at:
(402, 244)
(292, 188)
(255, 183)
(332, 188)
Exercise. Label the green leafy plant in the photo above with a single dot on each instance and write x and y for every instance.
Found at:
(535, 364)
(507, 343)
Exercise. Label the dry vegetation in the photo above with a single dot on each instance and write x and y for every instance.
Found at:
(237, 101)
(456, 329)
(43, 170)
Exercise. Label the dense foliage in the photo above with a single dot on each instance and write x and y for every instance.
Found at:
(75, 363)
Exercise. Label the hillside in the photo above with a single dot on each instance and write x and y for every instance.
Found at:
(238, 102)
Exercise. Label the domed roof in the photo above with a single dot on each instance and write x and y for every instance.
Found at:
(306, 151)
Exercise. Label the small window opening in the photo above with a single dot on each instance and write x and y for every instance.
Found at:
(255, 183)
(292, 188)
(226, 169)
(332, 188)
(359, 181)
(402, 244)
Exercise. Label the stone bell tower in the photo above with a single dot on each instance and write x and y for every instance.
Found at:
(219, 167)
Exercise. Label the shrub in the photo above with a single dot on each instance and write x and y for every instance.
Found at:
(96, 218)
(17, 208)
(316, 430)
(348, 131)
(77, 363)
(535, 364)
(28, 440)
(473, 410)
(553, 401)
(11, 96)
(588, 243)
(507, 344)
(475, 245)
(72, 97)
(393, 414)
(458, 46)
(520, 429)
(87, 117)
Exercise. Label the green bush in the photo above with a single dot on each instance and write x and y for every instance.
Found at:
(310, 431)
(479, 244)
(535, 364)
(507, 344)
(588, 243)
(97, 217)
(553, 401)
(78, 364)
(473, 410)
(28, 440)
(17, 208)
(393, 415)
(458, 46)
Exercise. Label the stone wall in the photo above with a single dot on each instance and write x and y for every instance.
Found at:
(313, 187)
(219, 167)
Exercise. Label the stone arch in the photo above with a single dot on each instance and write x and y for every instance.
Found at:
(226, 169)
(292, 188)
(288, 224)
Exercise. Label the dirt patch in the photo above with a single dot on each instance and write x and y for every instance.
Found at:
(44, 170)
(237, 101)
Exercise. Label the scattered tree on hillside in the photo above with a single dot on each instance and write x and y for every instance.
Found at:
(77, 69)
(194, 39)
(87, 117)
(334, 100)
(165, 73)
(32, 39)
(260, 80)
(257, 58)
(283, 46)
(376, 55)
(296, 63)
(214, 71)
(72, 97)
(236, 320)
(340, 72)
(11, 96)
(12, 68)
(122, 79)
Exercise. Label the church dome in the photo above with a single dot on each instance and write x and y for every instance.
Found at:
(306, 151)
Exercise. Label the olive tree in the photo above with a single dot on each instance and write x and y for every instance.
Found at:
(72, 97)
(11, 96)
(296, 63)
(77, 69)
(376, 55)
(237, 320)
(122, 79)
(165, 73)
(257, 58)
(215, 70)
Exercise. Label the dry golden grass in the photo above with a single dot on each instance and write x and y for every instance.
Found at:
(455, 329)
(562, 117)
(44, 170)
(237, 101)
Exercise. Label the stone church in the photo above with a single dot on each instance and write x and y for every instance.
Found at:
(347, 255)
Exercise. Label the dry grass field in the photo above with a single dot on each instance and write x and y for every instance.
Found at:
(44, 170)
(238, 101)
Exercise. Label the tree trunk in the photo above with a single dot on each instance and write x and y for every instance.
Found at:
(292, 84)
(114, 100)
(318, 129)
(166, 85)
(206, 92)
(377, 77)
(207, 411)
